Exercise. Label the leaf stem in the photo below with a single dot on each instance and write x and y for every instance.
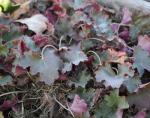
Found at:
(61, 38)
(68, 109)
(43, 50)
(13, 92)
(93, 38)
(99, 59)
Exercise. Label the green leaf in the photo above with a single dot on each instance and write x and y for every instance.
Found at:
(104, 111)
(125, 70)
(7, 6)
(29, 60)
(123, 104)
(4, 80)
(87, 44)
(30, 43)
(141, 60)
(86, 94)
(115, 101)
(82, 79)
(102, 26)
(110, 104)
(134, 30)
(80, 17)
(72, 56)
(132, 84)
(47, 67)
(141, 24)
(5, 21)
(78, 4)
(12, 34)
(41, 4)
(3, 50)
(63, 26)
(75, 55)
(107, 74)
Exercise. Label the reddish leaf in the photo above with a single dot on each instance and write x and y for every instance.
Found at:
(125, 34)
(3, 27)
(19, 71)
(114, 26)
(52, 17)
(117, 56)
(60, 11)
(57, 1)
(62, 77)
(127, 16)
(7, 104)
(140, 114)
(119, 113)
(40, 40)
(90, 60)
(115, 53)
(22, 47)
(78, 106)
(144, 42)
(7, 67)
(97, 7)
